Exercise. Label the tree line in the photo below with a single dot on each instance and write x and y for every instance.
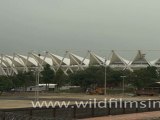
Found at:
(91, 76)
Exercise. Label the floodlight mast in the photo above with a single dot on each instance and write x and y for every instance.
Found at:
(37, 81)
(105, 78)
(123, 83)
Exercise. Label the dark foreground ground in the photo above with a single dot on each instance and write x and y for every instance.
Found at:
(135, 116)
(23, 100)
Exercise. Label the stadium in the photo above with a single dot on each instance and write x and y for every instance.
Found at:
(10, 65)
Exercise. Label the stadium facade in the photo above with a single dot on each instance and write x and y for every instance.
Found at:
(10, 65)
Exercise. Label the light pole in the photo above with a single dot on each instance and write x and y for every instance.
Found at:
(37, 81)
(105, 78)
(123, 83)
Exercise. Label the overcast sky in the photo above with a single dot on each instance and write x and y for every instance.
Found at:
(79, 24)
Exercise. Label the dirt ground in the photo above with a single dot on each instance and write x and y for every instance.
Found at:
(21, 100)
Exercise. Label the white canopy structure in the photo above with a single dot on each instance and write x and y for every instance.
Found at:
(116, 61)
(58, 60)
(12, 64)
(95, 59)
(15, 61)
(156, 62)
(139, 61)
(2, 68)
(7, 66)
(39, 59)
(77, 62)
(28, 61)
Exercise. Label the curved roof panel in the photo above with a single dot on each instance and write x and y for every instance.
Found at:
(155, 62)
(139, 60)
(76, 60)
(2, 63)
(28, 61)
(117, 59)
(95, 59)
(57, 60)
(6, 61)
(15, 61)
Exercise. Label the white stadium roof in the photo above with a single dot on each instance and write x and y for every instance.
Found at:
(155, 62)
(117, 59)
(13, 63)
(58, 60)
(28, 61)
(139, 60)
(95, 59)
(75, 60)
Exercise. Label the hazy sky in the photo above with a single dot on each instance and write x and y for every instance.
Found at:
(79, 24)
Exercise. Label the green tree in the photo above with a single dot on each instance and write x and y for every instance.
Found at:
(144, 77)
(92, 76)
(47, 75)
(23, 79)
(5, 84)
(60, 78)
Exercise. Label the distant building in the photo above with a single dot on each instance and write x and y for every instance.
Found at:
(42, 87)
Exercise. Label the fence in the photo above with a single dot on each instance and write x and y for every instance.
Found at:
(74, 112)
